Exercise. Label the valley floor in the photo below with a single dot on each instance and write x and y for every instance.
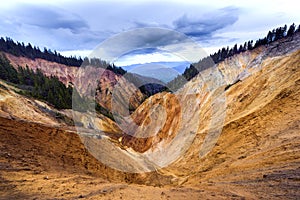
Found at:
(35, 165)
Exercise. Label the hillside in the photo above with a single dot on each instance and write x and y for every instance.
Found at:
(250, 151)
(81, 78)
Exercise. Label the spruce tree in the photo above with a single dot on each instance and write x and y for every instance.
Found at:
(291, 30)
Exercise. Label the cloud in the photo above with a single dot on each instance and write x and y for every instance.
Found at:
(142, 51)
(146, 56)
(49, 26)
(82, 25)
(143, 38)
(205, 26)
(139, 24)
(148, 41)
(49, 17)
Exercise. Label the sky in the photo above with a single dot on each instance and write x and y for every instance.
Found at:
(77, 27)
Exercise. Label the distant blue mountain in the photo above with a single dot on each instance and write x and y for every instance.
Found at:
(164, 71)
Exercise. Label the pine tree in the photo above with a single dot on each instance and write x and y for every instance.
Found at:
(235, 49)
(241, 49)
(291, 30)
(250, 45)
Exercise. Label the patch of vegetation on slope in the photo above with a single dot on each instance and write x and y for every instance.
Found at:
(35, 84)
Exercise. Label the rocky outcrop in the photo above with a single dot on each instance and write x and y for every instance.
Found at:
(15, 106)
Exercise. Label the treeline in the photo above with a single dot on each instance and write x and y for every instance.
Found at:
(222, 54)
(272, 36)
(96, 62)
(20, 49)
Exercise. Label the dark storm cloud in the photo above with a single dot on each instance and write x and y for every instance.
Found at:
(50, 17)
(158, 37)
(205, 26)
(50, 26)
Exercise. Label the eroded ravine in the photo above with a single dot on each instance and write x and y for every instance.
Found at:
(256, 154)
